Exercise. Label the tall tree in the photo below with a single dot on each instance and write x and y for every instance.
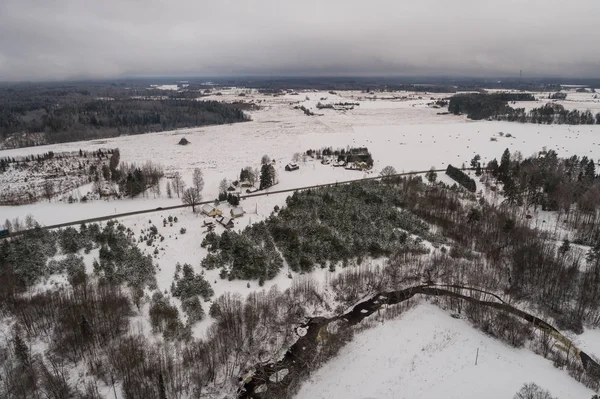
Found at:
(387, 173)
(113, 163)
(504, 168)
(169, 193)
(223, 186)
(198, 180)
(178, 184)
(266, 176)
(192, 197)
(48, 189)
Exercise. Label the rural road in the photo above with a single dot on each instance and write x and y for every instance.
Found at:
(166, 208)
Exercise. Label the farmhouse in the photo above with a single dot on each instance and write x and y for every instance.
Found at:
(210, 210)
(237, 212)
(291, 166)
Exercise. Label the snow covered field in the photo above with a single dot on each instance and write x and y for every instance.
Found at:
(405, 133)
(424, 354)
(428, 354)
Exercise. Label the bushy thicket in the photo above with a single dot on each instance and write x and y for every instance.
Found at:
(322, 227)
(338, 224)
(248, 255)
(568, 186)
(188, 287)
(532, 391)
(23, 260)
(461, 178)
(121, 261)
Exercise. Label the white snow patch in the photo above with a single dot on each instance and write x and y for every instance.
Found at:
(428, 354)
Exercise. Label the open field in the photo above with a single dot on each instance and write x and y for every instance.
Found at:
(426, 353)
(407, 134)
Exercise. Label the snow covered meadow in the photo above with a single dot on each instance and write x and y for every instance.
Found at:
(404, 133)
(426, 353)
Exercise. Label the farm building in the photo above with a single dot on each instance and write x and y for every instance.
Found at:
(237, 212)
(225, 221)
(210, 210)
(291, 166)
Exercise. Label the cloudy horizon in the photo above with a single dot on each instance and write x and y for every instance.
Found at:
(68, 39)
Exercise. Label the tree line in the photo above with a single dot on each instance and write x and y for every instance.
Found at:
(75, 117)
(496, 106)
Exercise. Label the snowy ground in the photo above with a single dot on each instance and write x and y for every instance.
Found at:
(400, 130)
(589, 341)
(428, 354)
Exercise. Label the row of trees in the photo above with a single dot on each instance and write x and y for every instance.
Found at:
(461, 178)
(552, 113)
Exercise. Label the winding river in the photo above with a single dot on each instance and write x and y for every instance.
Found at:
(265, 382)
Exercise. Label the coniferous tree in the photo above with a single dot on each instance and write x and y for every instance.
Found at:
(266, 176)
(504, 168)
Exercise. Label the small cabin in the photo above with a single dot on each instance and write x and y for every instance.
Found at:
(292, 166)
(237, 212)
(210, 210)
(208, 223)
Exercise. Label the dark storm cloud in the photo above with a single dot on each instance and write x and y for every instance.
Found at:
(77, 39)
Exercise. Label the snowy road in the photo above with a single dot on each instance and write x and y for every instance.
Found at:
(158, 209)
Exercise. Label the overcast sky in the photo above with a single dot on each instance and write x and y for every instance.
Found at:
(79, 39)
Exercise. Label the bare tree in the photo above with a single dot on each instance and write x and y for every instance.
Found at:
(48, 189)
(178, 184)
(223, 186)
(8, 224)
(156, 189)
(256, 175)
(198, 180)
(30, 222)
(17, 225)
(265, 159)
(532, 391)
(191, 196)
(169, 193)
(387, 172)
(252, 176)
